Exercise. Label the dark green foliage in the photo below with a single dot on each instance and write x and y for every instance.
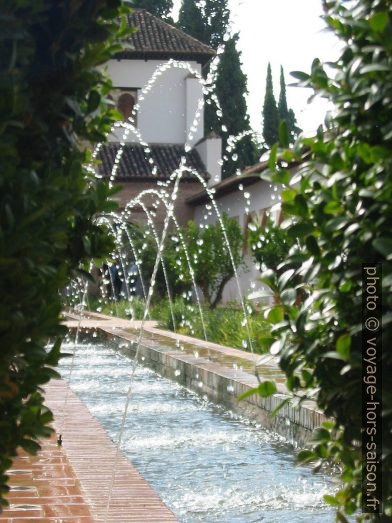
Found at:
(230, 90)
(270, 113)
(292, 126)
(51, 101)
(209, 24)
(207, 21)
(283, 110)
(216, 16)
(191, 20)
(285, 114)
(159, 8)
(273, 115)
(342, 215)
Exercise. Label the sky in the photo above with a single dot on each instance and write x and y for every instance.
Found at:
(284, 32)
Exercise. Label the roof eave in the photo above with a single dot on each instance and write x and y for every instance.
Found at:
(227, 186)
(201, 58)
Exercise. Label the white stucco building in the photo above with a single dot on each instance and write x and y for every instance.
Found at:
(156, 82)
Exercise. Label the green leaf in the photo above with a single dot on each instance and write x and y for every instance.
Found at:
(283, 134)
(266, 389)
(276, 315)
(374, 68)
(331, 500)
(94, 100)
(280, 406)
(346, 286)
(332, 208)
(343, 345)
(312, 245)
(301, 205)
(288, 297)
(383, 246)
(276, 347)
(30, 446)
(305, 456)
(299, 230)
(273, 157)
(247, 394)
(299, 75)
(288, 195)
(379, 21)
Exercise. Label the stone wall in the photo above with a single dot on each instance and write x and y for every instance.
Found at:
(224, 386)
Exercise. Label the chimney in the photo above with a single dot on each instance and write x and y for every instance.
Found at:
(210, 152)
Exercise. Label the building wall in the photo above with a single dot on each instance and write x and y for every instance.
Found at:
(165, 113)
(234, 204)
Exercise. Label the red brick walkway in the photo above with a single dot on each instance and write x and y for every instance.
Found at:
(44, 489)
(70, 484)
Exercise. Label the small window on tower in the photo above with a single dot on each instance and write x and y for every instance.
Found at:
(125, 104)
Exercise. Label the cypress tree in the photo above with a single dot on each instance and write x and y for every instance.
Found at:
(216, 16)
(191, 20)
(160, 8)
(209, 23)
(283, 110)
(231, 89)
(292, 126)
(270, 113)
(285, 113)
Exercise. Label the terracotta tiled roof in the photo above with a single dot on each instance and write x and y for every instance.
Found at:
(157, 39)
(135, 165)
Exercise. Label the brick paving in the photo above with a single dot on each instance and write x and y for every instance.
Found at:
(91, 453)
(70, 484)
(44, 488)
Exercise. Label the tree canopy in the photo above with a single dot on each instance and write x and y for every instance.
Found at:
(209, 22)
(274, 115)
(160, 8)
(231, 89)
(191, 20)
(210, 257)
(270, 112)
(285, 114)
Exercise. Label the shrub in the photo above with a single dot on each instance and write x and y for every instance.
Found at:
(342, 215)
(210, 258)
(52, 99)
(225, 326)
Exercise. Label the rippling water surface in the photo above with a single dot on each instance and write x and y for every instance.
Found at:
(205, 463)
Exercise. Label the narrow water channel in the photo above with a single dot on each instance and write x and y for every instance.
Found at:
(207, 464)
